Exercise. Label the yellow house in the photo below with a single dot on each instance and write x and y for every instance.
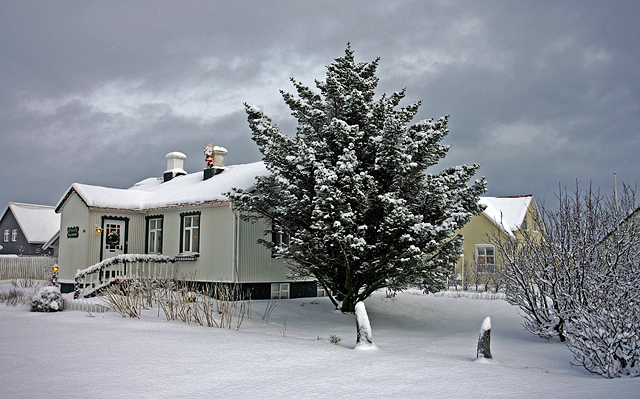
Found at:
(506, 217)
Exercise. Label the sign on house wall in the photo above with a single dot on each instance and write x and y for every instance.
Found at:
(73, 232)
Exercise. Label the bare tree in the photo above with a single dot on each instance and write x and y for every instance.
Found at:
(581, 279)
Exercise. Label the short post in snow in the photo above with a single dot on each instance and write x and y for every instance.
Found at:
(54, 275)
(365, 337)
(484, 340)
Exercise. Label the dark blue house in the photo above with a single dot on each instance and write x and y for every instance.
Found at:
(26, 228)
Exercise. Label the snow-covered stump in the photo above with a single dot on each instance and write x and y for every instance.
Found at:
(365, 336)
(484, 340)
(47, 299)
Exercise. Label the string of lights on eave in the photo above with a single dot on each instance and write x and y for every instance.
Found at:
(189, 205)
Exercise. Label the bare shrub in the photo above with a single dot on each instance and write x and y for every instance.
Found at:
(210, 304)
(125, 298)
(190, 301)
(269, 309)
(581, 280)
(13, 297)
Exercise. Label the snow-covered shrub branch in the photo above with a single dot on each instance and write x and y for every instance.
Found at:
(581, 280)
(211, 304)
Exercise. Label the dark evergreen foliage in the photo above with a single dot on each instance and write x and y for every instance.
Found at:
(352, 191)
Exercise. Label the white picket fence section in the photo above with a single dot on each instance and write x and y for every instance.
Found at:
(84, 305)
(25, 267)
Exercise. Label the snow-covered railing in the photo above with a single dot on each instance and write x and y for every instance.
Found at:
(121, 267)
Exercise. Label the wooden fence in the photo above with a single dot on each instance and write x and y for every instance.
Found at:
(25, 267)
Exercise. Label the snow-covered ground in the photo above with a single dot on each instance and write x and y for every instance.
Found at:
(427, 348)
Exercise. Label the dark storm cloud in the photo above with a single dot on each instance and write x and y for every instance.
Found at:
(539, 93)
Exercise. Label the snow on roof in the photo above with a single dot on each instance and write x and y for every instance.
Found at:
(52, 240)
(153, 193)
(37, 222)
(506, 212)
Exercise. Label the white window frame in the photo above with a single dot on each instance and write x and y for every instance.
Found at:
(482, 258)
(278, 237)
(320, 291)
(14, 235)
(191, 233)
(154, 235)
(535, 218)
(280, 291)
(6, 235)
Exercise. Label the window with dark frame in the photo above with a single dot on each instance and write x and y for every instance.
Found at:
(190, 241)
(154, 235)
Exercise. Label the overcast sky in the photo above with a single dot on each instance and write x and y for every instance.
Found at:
(540, 93)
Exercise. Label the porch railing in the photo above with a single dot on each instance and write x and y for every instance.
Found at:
(121, 267)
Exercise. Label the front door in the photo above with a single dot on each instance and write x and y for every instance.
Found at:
(113, 238)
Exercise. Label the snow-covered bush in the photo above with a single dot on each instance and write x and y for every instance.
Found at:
(47, 299)
(531, 282)
(581, 280)
(606, 340)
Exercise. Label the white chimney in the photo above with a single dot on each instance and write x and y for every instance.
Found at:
(175, 163)
(214, 157)
(218, 159)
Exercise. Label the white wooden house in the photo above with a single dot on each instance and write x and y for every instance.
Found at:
(182, 215)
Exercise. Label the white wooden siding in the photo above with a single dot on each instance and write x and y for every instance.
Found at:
(255, 263)
(73, 253)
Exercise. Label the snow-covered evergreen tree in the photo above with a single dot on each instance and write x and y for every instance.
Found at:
(352, 191)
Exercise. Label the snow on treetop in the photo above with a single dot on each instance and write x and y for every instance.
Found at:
(153, 193)
(506, 212)
(38, 222)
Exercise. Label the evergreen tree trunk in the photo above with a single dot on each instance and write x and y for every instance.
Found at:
(365, 336)
(348, 304)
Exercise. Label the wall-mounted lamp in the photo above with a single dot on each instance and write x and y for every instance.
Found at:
(98, 230)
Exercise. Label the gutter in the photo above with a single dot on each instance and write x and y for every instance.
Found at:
(236, 244)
